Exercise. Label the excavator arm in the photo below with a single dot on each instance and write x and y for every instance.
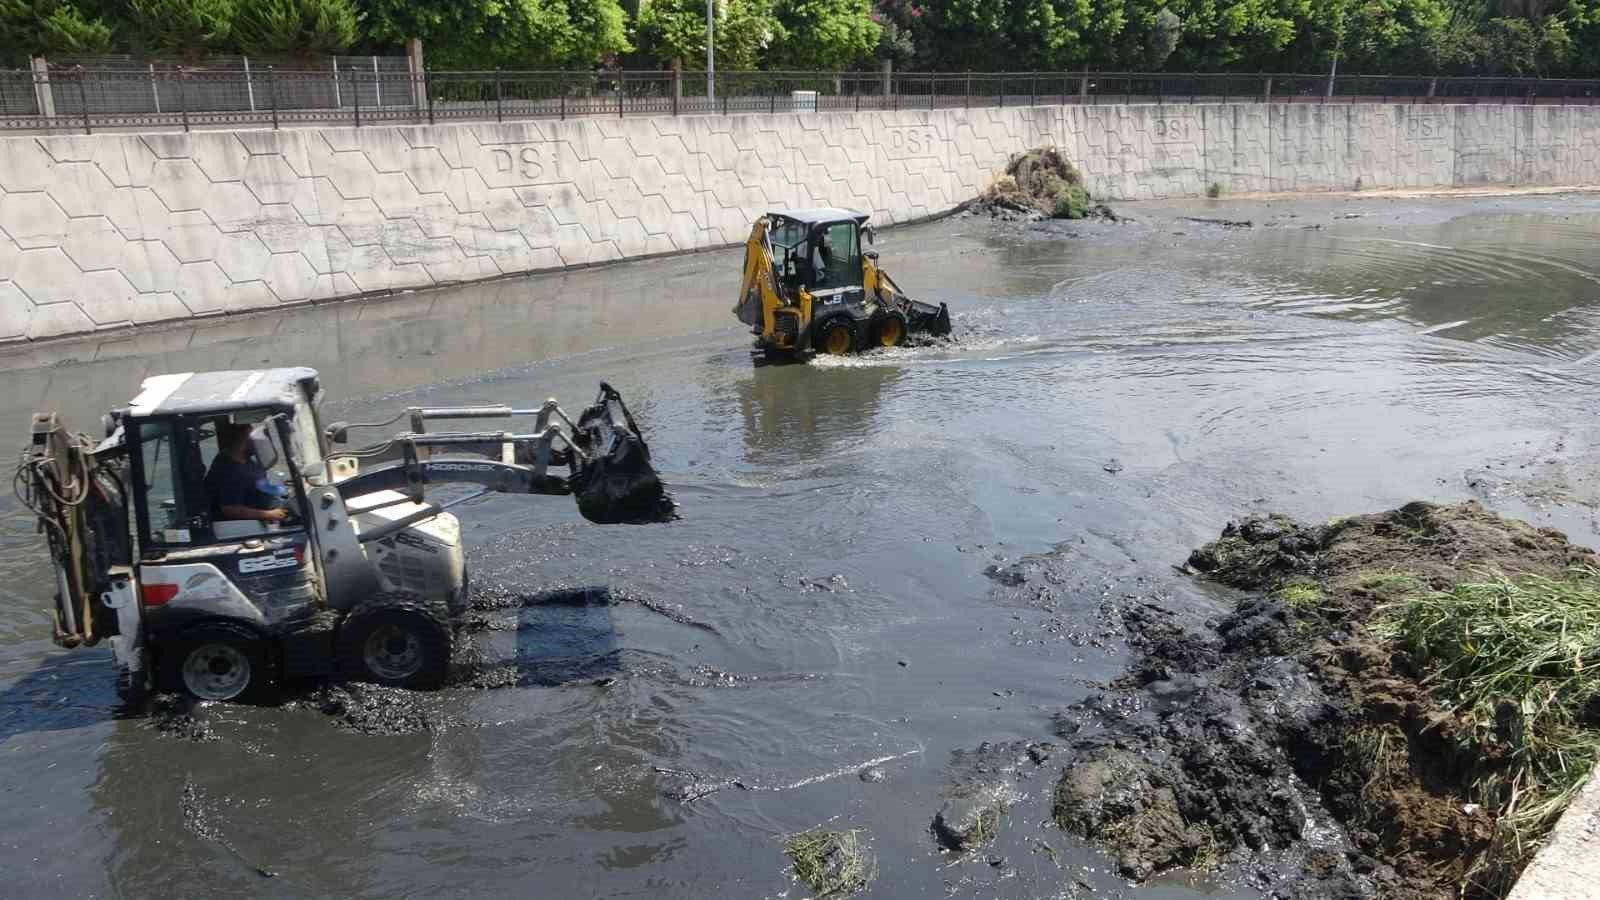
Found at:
(764, 304)
(606, 457)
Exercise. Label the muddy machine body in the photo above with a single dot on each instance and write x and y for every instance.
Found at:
(810, 287)
(363, 574)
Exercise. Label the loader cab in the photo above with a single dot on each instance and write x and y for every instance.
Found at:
(172, 434)
(820, 251)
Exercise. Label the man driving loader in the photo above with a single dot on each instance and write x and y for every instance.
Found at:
(238, 486)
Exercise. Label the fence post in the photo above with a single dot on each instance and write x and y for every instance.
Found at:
(1033, 90)
(272, 93)
(249, 86)
(1267, 94)
(677, 83)
(499, 97)
(377, 83)
(41, 87)
(561, 88)
(155, 88)
(966, 98)
(355, 91)
(888, 79)
(419, 75)
(427, 91)
(83, 97)
(1083, 86)
(338, 101)
(622, 90)
(183, 96)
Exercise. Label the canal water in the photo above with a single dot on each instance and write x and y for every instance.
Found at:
(1116, 393)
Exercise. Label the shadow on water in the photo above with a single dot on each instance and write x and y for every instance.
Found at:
(66, 691)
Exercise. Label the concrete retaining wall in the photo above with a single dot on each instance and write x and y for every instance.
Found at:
(109, 230)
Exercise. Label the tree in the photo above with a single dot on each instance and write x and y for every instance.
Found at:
(824, 34)
(477, 35)
(676, 29)
(295, 27)
(48, 27)
(184, 28)
(1165, 32)
(595, 30)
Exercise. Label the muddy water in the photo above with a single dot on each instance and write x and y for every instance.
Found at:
(1118, 392)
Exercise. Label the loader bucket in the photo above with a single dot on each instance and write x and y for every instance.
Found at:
(925, 318)
(616, 484)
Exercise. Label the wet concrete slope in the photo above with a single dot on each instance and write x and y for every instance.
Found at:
(842, 593)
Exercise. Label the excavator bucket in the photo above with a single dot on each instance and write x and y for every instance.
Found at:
(614, 482)
(925, 318)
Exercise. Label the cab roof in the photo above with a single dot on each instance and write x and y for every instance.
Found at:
(821, 215)
(190, 393)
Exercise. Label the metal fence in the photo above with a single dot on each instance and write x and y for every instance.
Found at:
(363, 91)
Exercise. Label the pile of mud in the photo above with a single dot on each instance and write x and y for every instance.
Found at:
(1038, 184)
(1289, 741)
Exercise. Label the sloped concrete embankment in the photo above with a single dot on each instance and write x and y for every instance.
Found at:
(107, 231)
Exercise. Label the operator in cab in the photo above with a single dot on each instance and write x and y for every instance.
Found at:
(239, 487)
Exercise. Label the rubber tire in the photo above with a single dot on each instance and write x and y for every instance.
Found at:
(878, 329)
(819, 340)
(413, 617)
(245, 640)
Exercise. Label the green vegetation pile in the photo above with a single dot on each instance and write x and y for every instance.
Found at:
(1399, 706)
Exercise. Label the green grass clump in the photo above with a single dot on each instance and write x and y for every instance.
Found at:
(1299, 595)
(1518, 660)
(833, 863)
(1072, 202)
(1215, 190)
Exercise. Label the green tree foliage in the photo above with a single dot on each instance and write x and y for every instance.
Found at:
(470, 34)
(676, 29)
(596, 31)
(187, 29)
(295, 27)
(48, 27)
(824, 34)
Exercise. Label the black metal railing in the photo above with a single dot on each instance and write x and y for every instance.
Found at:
(85, 99)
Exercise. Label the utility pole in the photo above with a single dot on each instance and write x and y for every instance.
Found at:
(711, 55)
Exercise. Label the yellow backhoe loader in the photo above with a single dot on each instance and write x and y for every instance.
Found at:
(809, 287)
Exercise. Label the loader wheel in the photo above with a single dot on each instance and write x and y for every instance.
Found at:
(889, 330)
(395, 640)
(837, 337)
(218, 661)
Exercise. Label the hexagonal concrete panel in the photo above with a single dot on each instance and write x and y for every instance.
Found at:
(190, 236)
(15, 311)
(231, 205)
(179, 183)
(219, 154)
(24, 166)
(33, 220)
(271, 179)
(47, 276)
(202, 287)
(93, 243)
(290, 277)
(57, 319)
(242, 257)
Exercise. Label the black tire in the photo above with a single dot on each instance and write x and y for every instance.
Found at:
(398, 641)
(218, 661)
(835, 336)
(889, 330)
